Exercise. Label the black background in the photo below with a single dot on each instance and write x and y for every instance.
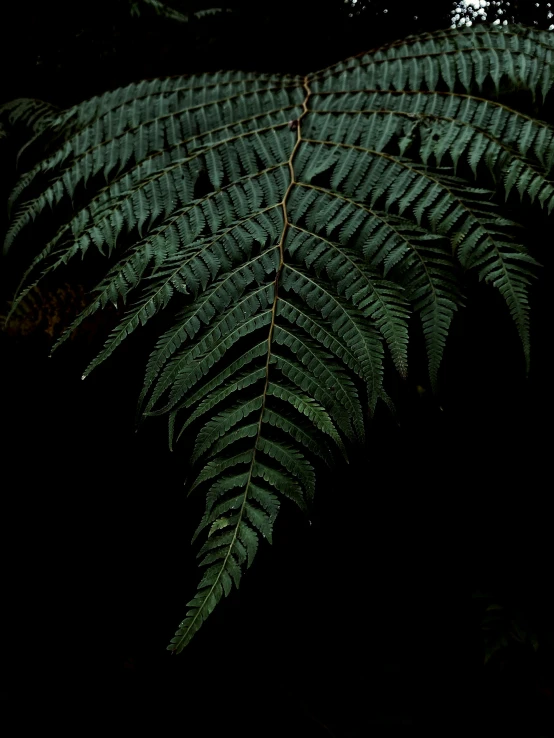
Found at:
(357, 623)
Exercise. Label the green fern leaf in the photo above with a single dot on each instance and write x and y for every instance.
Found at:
(281, 231)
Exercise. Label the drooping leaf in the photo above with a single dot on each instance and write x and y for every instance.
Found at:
(287, 228)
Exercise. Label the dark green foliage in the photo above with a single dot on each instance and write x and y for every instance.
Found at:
(288, 227)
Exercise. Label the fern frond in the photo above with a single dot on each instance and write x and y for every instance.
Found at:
(283, 230)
